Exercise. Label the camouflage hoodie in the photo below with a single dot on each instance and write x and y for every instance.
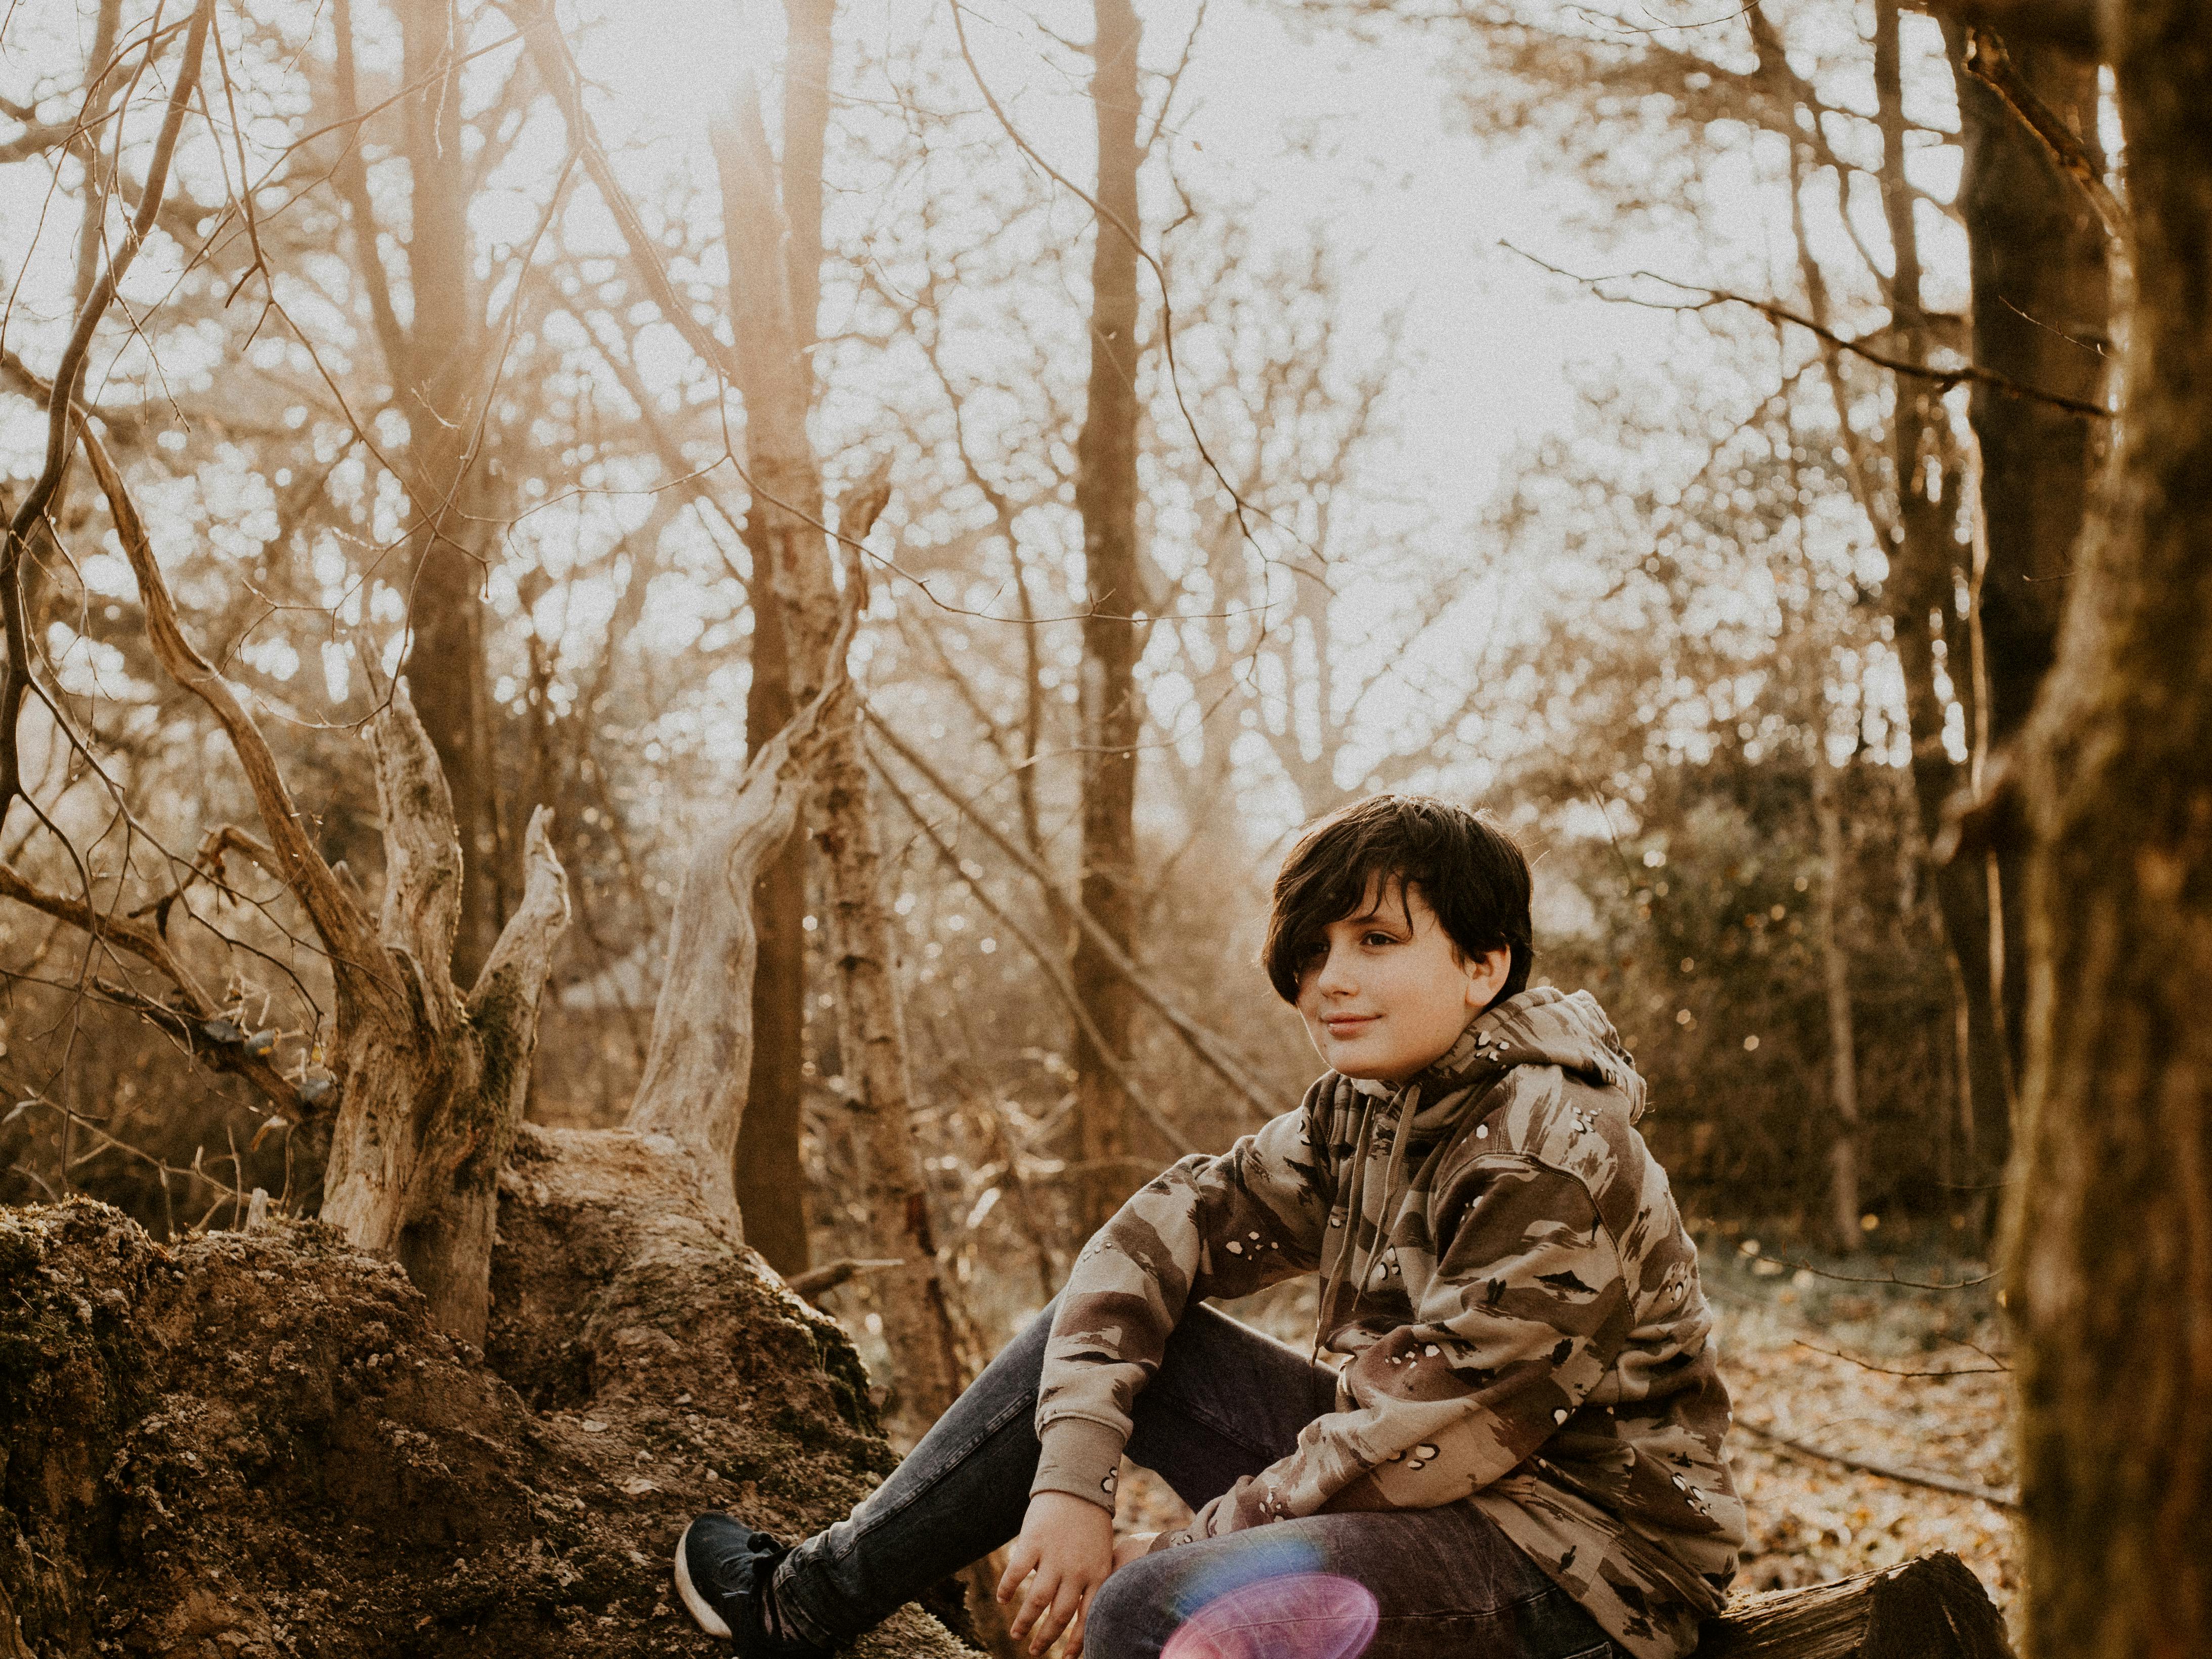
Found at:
(1501, 1259)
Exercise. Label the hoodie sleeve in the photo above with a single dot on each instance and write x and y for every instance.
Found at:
(1227, 1226)
(1528, 1307)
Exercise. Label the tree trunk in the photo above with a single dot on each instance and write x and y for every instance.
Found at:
(787, 500)
(435, 387)
(771, 1175)
(1920, 595)
(1106, 496)
(1843, 1038)
(2041, 318)
(2108, 1268)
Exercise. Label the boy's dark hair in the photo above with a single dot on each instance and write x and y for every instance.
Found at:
(1472, 874)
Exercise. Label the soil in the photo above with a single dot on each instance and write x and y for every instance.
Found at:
(253, 1444)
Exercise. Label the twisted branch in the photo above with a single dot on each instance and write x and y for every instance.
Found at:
(346, 935)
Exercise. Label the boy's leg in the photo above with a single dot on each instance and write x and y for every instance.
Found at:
(1440, 1583)
(1225, 1402)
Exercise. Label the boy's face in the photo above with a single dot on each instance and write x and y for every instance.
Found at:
(1385, 992)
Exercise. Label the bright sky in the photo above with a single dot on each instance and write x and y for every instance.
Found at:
(1390, 171)
(1305, 126)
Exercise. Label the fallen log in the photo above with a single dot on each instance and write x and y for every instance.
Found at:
(1931, 1608)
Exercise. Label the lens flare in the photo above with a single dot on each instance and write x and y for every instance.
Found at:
(1299, 1615)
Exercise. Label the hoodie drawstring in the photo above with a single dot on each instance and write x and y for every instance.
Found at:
(1361, 1259)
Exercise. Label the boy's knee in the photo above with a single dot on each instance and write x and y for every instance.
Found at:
(1131, 1616)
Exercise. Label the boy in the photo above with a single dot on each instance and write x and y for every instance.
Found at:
(1522, 1457)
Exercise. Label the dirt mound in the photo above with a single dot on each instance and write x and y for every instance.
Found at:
(254, 1444)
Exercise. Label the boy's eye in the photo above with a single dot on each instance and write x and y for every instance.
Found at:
(1376, 936)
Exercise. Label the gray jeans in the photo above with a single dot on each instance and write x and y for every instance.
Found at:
(1225, 1402)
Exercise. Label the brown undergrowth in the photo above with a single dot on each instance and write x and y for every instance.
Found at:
(254, 1444)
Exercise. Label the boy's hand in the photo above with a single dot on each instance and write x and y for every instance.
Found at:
(1066, 1550)
(1130, 1545)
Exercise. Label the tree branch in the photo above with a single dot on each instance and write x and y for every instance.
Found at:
(697, 1069)
(1989, 1495)
(351, 176)
(2070, 23)
(557, 67)
(506, 992)
(422, 852)
(1988, 61)
(193, 1008)
(1201, 1042)
(1048, 961)
(355, 953)
(141, 938)
(1942, 378)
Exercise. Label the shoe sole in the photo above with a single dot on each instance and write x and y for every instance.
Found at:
(701, 1609)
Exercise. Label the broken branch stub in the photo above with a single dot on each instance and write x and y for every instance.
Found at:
(700, 1059)
(433, 1095)
(422, 849)
(698, 1065)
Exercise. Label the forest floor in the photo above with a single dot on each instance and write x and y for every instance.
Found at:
(1905, 1377)
(1839, 1356)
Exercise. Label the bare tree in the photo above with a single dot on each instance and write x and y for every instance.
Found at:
(437, 361)
(1106, 496)
(787, 497)
(771, 1178)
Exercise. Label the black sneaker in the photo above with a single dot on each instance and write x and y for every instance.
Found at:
(722, 1572)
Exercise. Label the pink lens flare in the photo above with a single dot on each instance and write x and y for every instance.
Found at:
(1299, 1615)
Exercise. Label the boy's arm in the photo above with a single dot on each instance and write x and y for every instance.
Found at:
(1528, 1310)
(1207, 1226)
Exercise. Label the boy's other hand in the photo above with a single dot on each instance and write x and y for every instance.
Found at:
(1066, 1550)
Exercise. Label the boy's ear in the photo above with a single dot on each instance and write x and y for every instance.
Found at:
(1486, 977)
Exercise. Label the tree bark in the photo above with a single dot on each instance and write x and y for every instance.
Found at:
(1106, 497)
(2042, 318)
(2109, 1266)
(787, 499)
(770, 1174)
(1931, 1608)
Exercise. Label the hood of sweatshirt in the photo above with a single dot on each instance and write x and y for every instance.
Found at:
(1540, 1027)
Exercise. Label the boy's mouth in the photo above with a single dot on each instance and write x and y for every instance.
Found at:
(1345, 1026)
